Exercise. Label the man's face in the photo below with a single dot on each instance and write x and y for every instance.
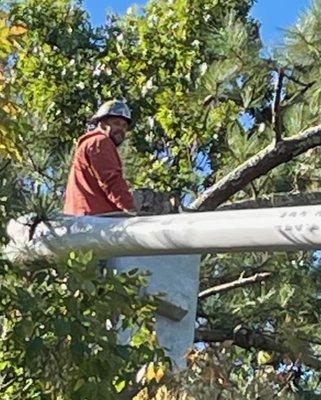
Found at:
(117, 129)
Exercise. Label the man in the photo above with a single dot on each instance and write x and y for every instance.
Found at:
(96, 184)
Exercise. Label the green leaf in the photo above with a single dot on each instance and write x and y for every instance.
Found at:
(120, 386)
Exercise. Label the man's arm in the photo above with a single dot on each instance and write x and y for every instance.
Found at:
(105, 165)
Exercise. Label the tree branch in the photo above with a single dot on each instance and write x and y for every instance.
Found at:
(6, 164)
(297, 81)
(248, 339)
(276, 200)
(276, 109)
(256, 166)
(297, 97)
(241, 282)
(247, 271)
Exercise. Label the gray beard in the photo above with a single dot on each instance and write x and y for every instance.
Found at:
(117, 139)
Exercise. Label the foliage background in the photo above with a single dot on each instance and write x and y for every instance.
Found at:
(201, 91)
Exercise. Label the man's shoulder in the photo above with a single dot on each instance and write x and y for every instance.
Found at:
(94, 137)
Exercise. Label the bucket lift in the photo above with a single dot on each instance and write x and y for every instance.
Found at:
(170, 247)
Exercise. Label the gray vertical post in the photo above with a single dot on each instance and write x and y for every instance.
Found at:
(178, 277)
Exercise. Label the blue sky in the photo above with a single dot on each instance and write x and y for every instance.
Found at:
(274, 15)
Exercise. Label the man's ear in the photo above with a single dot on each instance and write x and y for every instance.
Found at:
(103, 125)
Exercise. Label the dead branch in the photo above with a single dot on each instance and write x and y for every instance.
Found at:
(241, 282)
(247, 339)
(276, 108)
(258, 165)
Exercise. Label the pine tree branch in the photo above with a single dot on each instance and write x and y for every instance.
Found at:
(276, 109)
(297, 97)
(241, 282)
(254, 190)
(297, 81)
(6, 164)
(38, 169)
(247, 339)
(258, 165)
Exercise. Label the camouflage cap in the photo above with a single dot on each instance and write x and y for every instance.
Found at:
(115, 108)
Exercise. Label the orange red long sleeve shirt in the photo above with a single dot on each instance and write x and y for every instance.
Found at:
(95, 183)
